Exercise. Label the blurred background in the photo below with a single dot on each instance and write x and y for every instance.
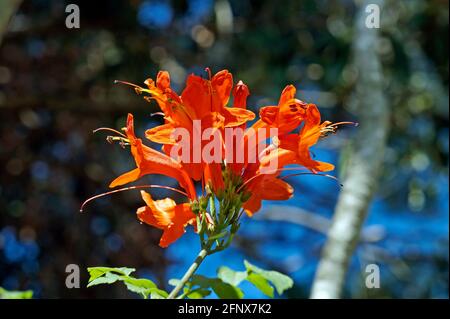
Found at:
(56, 86)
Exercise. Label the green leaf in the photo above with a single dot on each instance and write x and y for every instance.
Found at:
(230, 276)
(280, 281)
(96, 272)
(140, 286)
(226, 291)
(223, 290)
(156, 293)
(202, 281)
(197, 293)
(141, 283)
(261, 283)
(15, 294)
(108, 278)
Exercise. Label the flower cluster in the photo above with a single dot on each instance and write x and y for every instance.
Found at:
(234, 180)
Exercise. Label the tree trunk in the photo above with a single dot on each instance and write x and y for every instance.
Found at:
(364, 162)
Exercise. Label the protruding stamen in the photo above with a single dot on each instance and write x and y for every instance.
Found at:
(127, 83)
(157, 113)
(311, 173)
(127, 189)
(345, 123)
(332, 127)
(137, 88)
(262, 174)
(108, 129)
(122, 141)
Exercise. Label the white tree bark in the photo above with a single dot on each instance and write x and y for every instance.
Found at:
(364, 162)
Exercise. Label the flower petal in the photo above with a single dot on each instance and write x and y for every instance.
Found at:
(237, 116)
(163, 80)
(165, 214)
(287, 94)
(161, 134)
(266, 187)
(222, 83)
(160, 213)
(170, 235)
(150, 161)
(196, 97)
(126, 178)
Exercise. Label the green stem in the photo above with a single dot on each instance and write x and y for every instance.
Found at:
(200, 257)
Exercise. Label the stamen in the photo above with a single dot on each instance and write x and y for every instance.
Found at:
(157, 113)
(277, 170)
(122, 140)
(137, 88)
(332, 127)
(127, 189)
(127, 83)
(320, 174)
(344, 123)
(108, 129)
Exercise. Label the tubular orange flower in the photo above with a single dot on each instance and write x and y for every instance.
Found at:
(206, 96)
(165, 214)
(287, 148)
(297, 145)
(266, 187)
(285, 117)
(238, 185)
(204, 100)
(289, 113)
(198, 101)
(149, 161)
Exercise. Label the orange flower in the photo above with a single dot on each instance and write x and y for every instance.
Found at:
(285, 117)
(266, 187)
(149, 161)
(240, 184)
(204, 100)
(288, 148)
(297, 145)
(209, 96)
(289, 113)
(240, 95)
(165, 214)
(201, 100)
